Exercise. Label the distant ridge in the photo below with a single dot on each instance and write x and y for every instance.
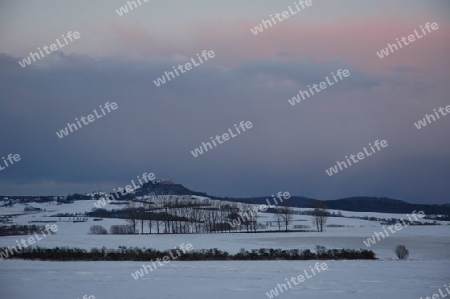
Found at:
(385, 205)
(364, 204)
(353, 204)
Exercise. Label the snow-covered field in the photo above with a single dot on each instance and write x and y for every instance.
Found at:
(427, 270)
(221, 280)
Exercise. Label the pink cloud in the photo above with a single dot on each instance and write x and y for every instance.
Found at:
(354, 41)
(350, 41)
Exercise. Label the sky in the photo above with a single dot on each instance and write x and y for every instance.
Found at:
(154, 129)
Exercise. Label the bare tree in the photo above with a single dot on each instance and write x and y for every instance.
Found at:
(149, 215)
(279, 216)
(254, 220)
(186, 213)
(247, 216)
(214, 214)
(165, 205)
(233, 217)
(320, 215)
(157, 222)
(141, 216)
(132, 214)
(195, 215)
(286, 215)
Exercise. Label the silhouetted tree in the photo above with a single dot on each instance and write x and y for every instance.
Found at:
(320, 215)
(286, 214)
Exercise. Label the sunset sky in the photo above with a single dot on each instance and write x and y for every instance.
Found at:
(251, 78)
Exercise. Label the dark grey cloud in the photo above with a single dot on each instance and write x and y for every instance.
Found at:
(155, 128)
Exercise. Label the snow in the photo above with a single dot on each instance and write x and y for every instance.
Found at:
(423, 274)
(221, 280)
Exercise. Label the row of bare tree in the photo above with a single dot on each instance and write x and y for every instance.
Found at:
(193, 215)
(178, 215)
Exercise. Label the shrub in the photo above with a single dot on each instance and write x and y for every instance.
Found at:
(18, 230)
(121, 230)
(402, 252)
(320, 250)
(98, 230)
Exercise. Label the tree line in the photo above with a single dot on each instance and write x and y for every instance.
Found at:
(143, 254)
(173, 214)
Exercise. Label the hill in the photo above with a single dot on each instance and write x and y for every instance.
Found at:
(352, 204)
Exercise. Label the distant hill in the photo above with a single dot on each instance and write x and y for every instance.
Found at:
(354, 204)
(294, 201)
(385, 205)
(165, 188)
(363, 204)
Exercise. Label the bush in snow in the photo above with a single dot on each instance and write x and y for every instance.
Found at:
(401, 252)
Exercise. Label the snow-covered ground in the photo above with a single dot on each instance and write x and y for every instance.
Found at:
(221, 280)
(427, 270)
